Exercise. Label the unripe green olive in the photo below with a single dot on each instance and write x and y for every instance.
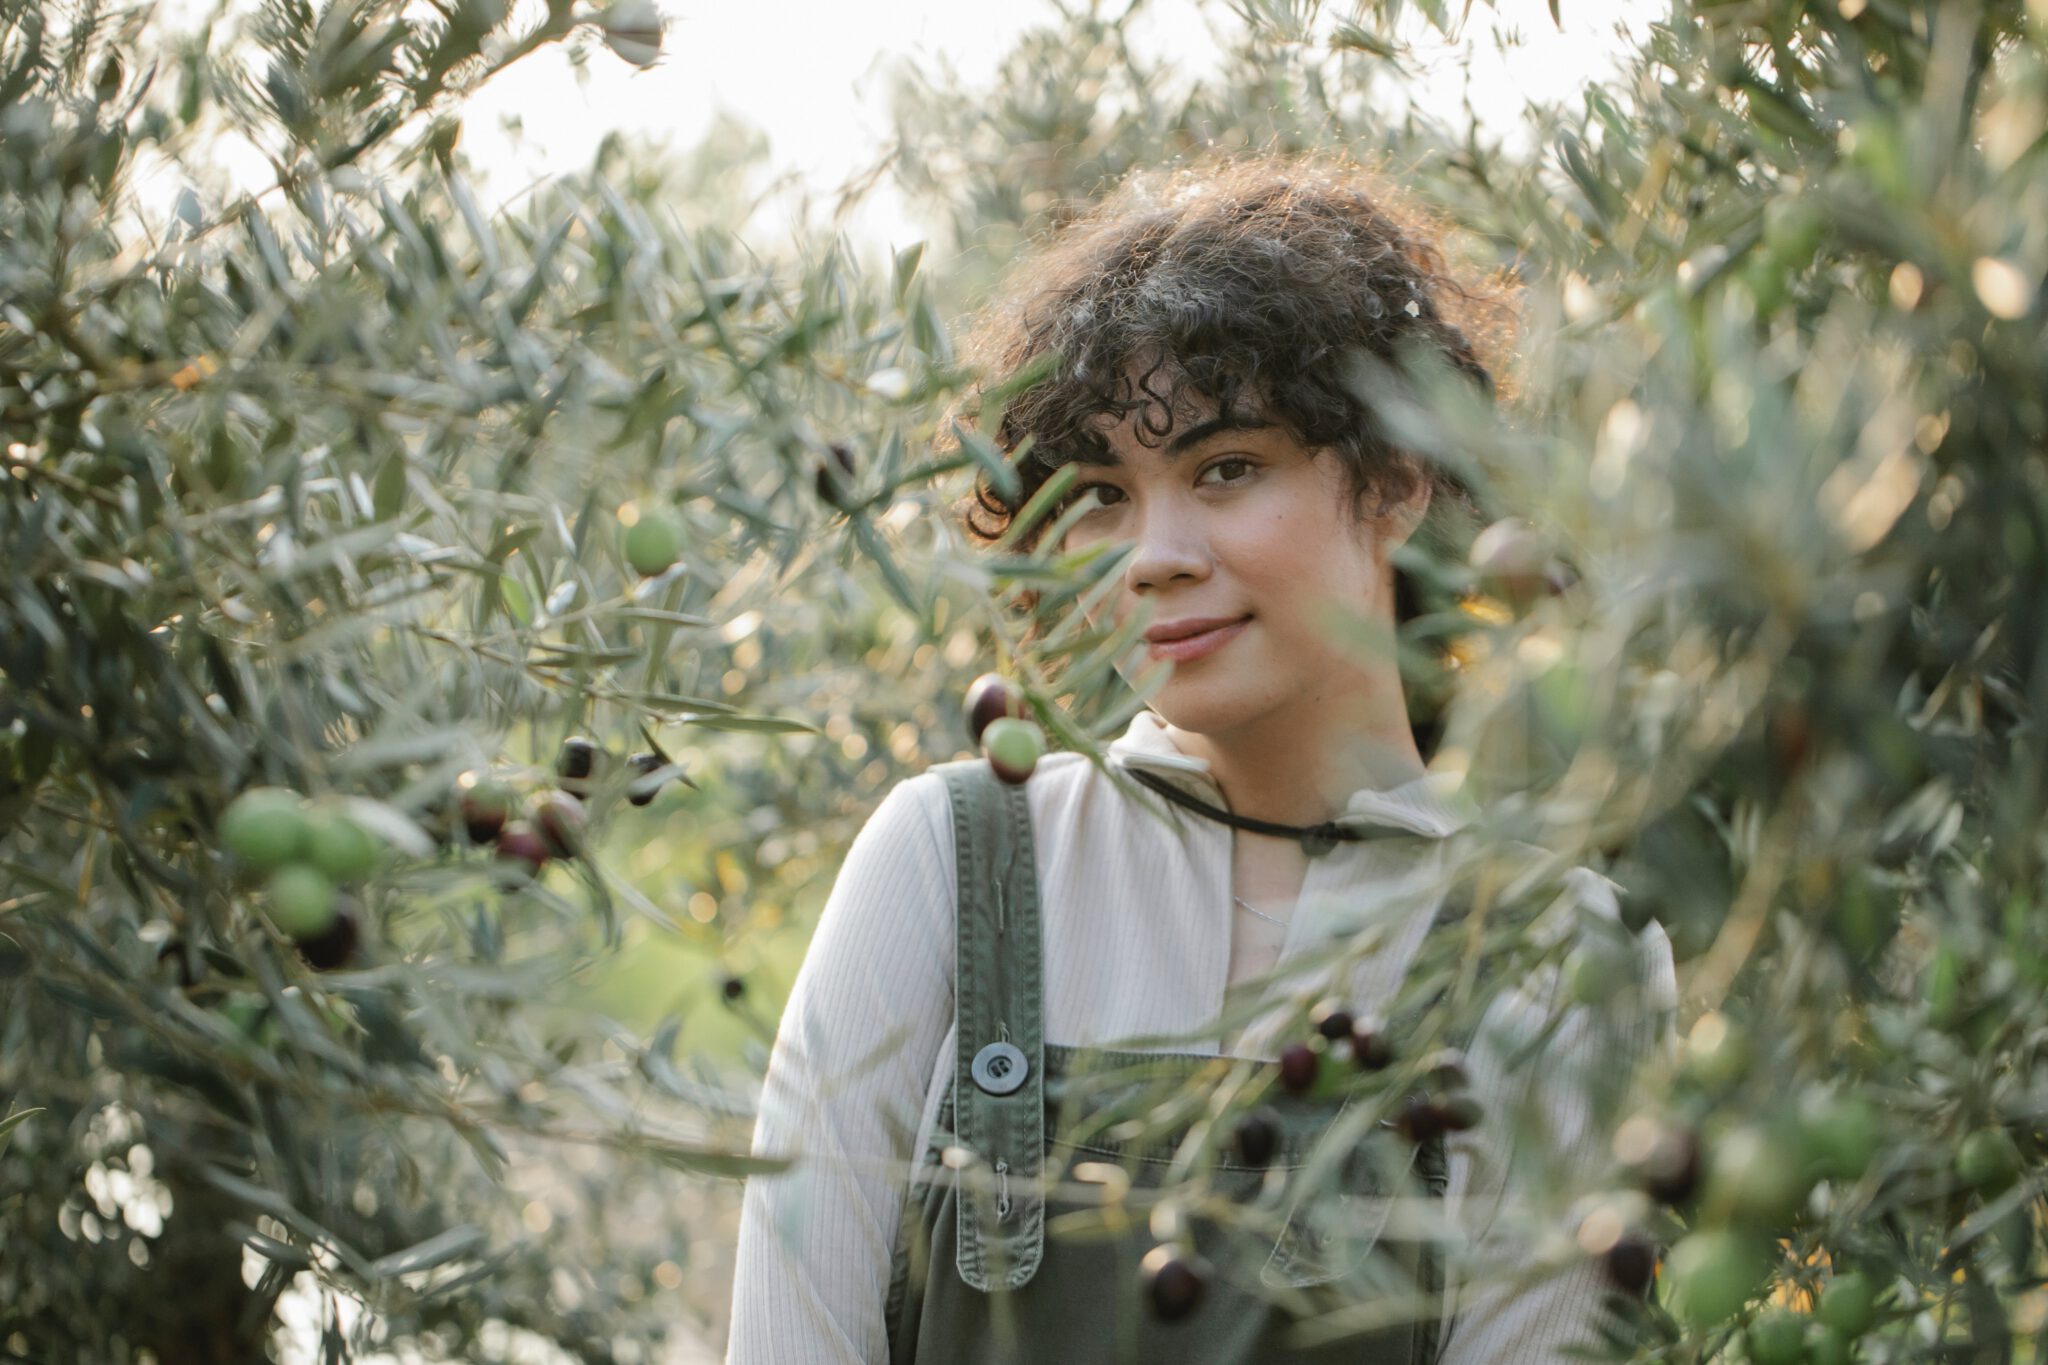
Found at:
(1841, 1135)
(341, 848)
(1013, 747)
(265, 827)
(653, 542)
(1988, 1161)
(1849, 1303)
(1777, 1337)
(1712, 1273)
(301, 900)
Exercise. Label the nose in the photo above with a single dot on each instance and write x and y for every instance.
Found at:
(1170, 545)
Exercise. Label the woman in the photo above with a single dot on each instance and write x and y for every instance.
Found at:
(1219, 334)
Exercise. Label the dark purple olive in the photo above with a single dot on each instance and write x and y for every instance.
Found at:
(835, 476)
(1173, 1282)
(1370, 1045)
(640, 791)
(1461, 1112)
(1331, 1020)
(988, 697)
(558, 818)
(1298, 1066)
(1256, 1138)
(1631, 1264)
(1669, 1170)
(336, 944)
(575, 763)
(1421, 1120)
(520, 843)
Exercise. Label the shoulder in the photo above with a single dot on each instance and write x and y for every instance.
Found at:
(919, 802)
(907, 833)
(1554, 905)
(1058, 780)
(924, 802)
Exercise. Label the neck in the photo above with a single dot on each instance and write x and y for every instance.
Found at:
(1300, 764)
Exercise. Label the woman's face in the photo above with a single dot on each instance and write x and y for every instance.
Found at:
(1234, 520)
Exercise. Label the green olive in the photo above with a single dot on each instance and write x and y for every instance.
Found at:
(653, 543)
(1988, 1160)
(1777, 1337)
(1013, 747)
(1849, 1303)
(1825, 1346)
(1712, 1274)
(1755, 1173)
(1841, 1135)
(266, 827)
(1717, 1054)
(301, 900)
(341, 848)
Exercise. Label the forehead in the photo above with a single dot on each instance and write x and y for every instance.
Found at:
(1158, 412)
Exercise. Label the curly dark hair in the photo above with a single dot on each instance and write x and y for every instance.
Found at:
(1258, 280)
(1268, 282)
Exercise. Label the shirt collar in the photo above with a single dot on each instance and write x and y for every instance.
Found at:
(1434, 805)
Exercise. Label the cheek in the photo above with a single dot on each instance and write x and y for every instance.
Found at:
(1291, 551)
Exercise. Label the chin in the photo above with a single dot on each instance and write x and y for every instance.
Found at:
(1200, 707)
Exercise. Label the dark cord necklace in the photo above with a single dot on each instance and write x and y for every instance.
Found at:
(1316, 840)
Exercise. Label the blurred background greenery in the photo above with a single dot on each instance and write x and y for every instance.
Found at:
(324, 485)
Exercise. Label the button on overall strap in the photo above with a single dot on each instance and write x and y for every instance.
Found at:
(999, 1066)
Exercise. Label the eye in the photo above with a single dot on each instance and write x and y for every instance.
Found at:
(1082, 490)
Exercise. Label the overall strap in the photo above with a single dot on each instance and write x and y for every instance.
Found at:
(999, 1063)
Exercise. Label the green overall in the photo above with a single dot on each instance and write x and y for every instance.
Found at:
(1034, 1126)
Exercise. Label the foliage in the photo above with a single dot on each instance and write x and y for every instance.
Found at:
(322, 489)
(1780, 405)
(326, 489)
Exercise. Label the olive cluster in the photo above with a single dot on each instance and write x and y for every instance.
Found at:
(1340, 1046)
(553, 823)
(308, 851)
(995, 716)
(1741, 1182)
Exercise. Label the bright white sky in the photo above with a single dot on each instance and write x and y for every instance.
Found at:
(813, 76)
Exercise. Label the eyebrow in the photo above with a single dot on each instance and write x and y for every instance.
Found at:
(1107, 458)
(1202, 431)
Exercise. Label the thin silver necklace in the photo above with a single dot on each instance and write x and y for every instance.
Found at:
(1260, 913)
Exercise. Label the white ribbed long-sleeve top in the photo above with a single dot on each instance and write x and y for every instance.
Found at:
(1136, 918)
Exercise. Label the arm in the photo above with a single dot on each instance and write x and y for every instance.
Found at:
(844, 1093)
(1561, 1104)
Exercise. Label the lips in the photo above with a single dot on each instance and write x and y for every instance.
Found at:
(1191, 647)
(1189, 626)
